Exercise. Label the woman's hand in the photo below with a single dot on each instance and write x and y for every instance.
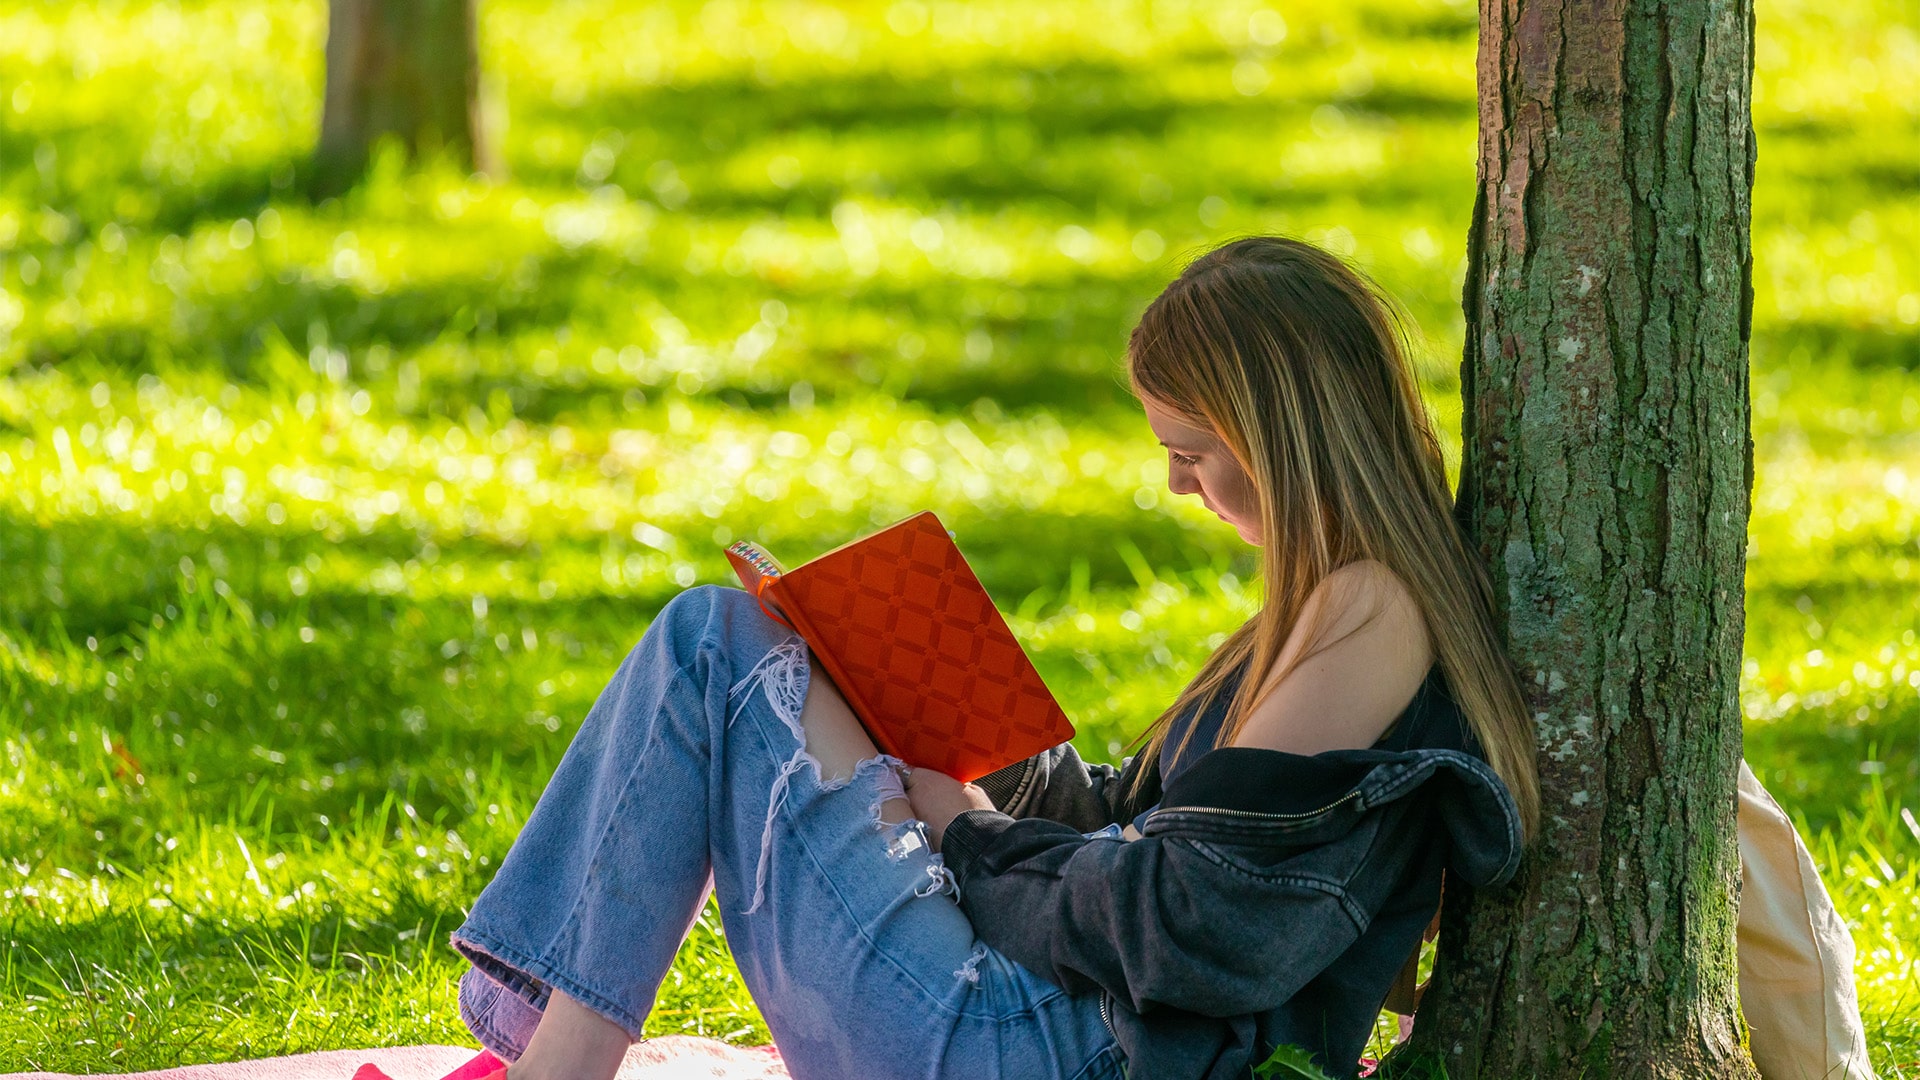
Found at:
(938, 798)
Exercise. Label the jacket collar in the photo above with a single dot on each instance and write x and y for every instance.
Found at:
(1296, 799)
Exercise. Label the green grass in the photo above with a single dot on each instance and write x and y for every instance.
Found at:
(321, 526)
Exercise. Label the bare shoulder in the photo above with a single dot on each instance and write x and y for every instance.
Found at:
(1363, 592)
(1359, 672)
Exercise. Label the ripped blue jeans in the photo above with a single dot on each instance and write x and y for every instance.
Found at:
(689, 775)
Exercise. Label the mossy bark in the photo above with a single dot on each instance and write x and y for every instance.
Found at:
(1607, 474)
(408, 70)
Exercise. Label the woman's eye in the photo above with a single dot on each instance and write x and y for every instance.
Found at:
(1182, 459)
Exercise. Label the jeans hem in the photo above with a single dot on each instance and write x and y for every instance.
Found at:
(534, 980)
(479, 1021)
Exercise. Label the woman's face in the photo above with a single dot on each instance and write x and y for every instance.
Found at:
(1199, 462)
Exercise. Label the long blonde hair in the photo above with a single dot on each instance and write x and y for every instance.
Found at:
(1299, 364)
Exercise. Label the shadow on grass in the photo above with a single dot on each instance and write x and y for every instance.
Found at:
(990, 135)
(227, 331)
(1057, 349)
(91, 167)
(1861, 348)
(105, 578)
(1023, 117)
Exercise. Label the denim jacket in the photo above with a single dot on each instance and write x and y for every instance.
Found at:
(1271, 899)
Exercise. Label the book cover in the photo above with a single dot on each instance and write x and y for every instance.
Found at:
(914, 643)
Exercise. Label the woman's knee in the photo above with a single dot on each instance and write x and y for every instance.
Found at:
(705, 619)
(711, 612)
(700, 603)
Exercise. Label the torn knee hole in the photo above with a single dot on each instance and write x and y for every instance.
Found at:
(903, 838)
(887, 782)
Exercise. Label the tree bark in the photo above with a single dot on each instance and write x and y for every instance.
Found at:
(406, 69)
(1607, 474)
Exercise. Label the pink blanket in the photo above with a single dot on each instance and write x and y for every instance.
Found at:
(670, 1057)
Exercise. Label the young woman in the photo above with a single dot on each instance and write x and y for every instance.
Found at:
(1255, 877)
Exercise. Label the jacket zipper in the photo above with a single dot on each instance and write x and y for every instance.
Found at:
(1106, 1016)
(1347, 798)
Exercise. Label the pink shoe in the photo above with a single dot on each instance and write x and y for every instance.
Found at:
(484, 1066)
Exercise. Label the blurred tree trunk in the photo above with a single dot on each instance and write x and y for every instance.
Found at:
(408, 69)
(1606, 477)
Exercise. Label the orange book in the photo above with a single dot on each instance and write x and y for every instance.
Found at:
(913, 642)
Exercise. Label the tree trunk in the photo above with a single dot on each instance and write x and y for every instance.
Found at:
(406, 69)
(1606, 476)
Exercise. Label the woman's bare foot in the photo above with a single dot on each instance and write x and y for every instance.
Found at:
(572, 1043)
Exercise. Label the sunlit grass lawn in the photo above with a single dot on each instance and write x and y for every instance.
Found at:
(320, 527)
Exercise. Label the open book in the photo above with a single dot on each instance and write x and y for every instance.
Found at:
(915, 645)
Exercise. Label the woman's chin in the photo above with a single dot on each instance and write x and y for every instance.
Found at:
(1246, 532)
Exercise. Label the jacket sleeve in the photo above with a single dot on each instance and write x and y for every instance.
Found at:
(1057, 785)
(1157, 921)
